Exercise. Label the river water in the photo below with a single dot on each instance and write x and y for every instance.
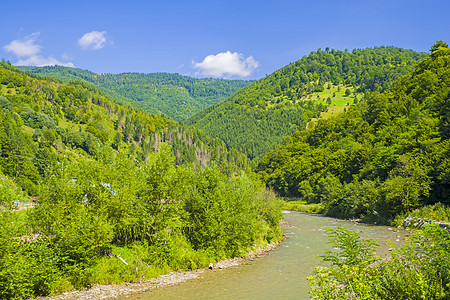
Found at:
(283, 273)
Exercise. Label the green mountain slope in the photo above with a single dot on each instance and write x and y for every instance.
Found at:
(258, 117)
(43, 122)
(386, 155)
(113, 184)
(174, 95)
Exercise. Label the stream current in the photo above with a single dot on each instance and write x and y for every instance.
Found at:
(283, 273)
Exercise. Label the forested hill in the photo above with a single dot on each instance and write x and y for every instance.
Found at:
(114, 194)
(174, 95)
(43, 123)
(258, 117)
(387, 155)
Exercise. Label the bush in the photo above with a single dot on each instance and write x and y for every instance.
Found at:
(158, 216)
(37, 119)
(418, 270)
(437, 212)
(222, 214)
(28, 266)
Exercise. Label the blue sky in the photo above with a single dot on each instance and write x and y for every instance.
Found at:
(225, 39)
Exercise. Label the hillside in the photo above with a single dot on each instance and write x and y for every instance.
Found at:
(176, 96)
(92, 192)
(258, 117)
(45, 122)
(384, 156)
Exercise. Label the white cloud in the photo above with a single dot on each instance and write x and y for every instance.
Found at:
(93, 40)
(28, 53)
(25, 47)
(227, 64)
(40, 61)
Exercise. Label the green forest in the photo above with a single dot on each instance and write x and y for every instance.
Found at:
(110, 181)
(385, 156)
(54, 120)
(176, 96)
(258, 117)
(130, 176)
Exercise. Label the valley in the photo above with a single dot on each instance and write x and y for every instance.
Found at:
(137, 175)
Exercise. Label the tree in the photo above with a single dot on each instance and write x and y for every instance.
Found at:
(437, 45)
(407, 183)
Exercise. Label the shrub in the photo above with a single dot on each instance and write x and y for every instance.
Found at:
(418, 270)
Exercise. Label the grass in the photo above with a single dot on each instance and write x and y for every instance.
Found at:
(339, 98)
(339, 102)
(302, 206)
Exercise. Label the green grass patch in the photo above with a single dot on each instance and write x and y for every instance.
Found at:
(339, 101)
(142, 261)
(3, 89)
(303, 206)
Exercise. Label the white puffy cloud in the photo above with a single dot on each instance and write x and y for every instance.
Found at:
(227, 64)
(93, 40)
(25, 47)
(28, 52)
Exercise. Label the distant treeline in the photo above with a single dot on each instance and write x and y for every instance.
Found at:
(43, 122)
(176, 96)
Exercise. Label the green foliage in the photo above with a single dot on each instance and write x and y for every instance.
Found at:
(352, 251)
(44, 122)
(386, 155)
(27, 265)
(437, 45)
(36, 119)
(417, 270)
(155, 215)
(173, 95)
(8, 195)
(259, 116)
(438, 212)
(221, 210)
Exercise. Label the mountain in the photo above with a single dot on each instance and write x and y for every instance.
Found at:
(384, 156)
(258, 117)
(93, 192)
(43, 122)
(174, 95)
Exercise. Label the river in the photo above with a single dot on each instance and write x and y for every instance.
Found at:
(283, 273)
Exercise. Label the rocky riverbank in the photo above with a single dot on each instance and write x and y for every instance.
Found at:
(115, 290)
(416, 222)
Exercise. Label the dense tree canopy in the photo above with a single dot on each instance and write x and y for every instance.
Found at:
(119, 194)
(44, 121)
(386, 155)
(258, 117)
(176, 96)
(117, 184)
